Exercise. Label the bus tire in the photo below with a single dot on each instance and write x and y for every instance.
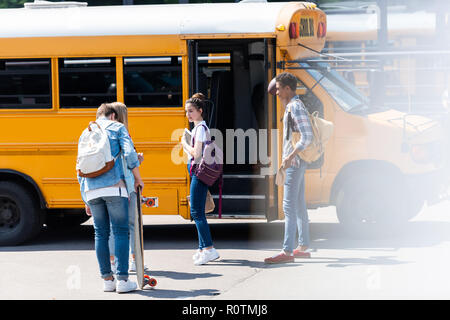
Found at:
(371, 199)
(20, 215)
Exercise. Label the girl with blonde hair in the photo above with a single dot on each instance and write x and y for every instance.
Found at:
(121, 111)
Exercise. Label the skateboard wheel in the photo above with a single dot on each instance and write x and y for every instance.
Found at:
(152, 282)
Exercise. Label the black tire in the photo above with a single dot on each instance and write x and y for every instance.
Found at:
(372, 199)
(20, 215)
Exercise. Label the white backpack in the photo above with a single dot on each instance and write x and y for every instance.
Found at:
(94, 152)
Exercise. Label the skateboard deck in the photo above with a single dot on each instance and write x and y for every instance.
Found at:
(142, 278)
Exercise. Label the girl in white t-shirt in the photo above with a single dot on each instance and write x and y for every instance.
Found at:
(195, 112)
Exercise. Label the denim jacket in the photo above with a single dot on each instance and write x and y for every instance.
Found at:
(119, 140)
(128, 177)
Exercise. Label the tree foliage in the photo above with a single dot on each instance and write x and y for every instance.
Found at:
(12, 3)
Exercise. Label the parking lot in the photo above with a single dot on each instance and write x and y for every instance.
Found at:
(408, 263)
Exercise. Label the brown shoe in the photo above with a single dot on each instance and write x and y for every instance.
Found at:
(301, 254)
(279, 258)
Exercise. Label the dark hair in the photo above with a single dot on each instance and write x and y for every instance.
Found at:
(287, 79)
(198, 100)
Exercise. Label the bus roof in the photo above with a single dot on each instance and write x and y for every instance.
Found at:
(347, 27)
(206, 18)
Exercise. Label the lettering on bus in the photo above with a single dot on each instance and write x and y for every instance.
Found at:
(306, 27)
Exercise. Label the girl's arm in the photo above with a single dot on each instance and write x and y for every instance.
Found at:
(127, 146)
(196, 151)
(137, 178)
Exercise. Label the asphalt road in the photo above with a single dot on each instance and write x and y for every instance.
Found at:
(410, 262)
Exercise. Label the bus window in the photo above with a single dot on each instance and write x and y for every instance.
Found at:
(345, 94)
(152, 81)
(309, 99)
(312, 104)
(87, 82)
(25, 84)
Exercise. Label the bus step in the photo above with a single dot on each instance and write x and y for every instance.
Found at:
(236, 204)
(238, 215)
(238, 184)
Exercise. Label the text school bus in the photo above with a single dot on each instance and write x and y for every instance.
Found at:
(57, 65)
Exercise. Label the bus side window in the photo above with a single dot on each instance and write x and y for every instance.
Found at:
(25, 84)
(86, 82)
(152, 81)
(309, 99)
(312, 103)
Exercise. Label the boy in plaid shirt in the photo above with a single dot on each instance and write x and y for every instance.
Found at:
(294, 204)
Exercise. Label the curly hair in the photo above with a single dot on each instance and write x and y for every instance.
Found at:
(287, 79)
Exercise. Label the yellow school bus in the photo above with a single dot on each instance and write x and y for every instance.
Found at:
(415, 57)
(58, 64)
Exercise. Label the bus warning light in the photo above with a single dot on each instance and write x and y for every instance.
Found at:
(293, 30)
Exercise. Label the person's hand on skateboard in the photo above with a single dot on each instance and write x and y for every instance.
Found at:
(138, 183)
(137, 179)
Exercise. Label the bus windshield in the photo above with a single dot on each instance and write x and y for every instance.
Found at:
(346, 95)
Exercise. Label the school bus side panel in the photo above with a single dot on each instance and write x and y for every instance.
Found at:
(43, 143)
(44, 147)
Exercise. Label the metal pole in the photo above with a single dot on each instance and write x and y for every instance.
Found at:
(382, 44)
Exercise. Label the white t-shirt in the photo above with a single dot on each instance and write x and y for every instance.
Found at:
(117, 190)
(199, 132)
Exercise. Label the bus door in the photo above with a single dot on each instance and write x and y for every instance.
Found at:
(192, 66)
(270, 111)
(233, 74)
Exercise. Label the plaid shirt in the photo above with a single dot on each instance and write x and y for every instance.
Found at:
(300, 123)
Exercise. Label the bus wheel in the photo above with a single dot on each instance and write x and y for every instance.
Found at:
(20, 217)
(371, 199)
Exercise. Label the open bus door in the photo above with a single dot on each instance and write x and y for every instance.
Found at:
(270, 112)
(233, 74)
(192, 66)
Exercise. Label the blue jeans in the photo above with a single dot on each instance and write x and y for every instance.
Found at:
(294, 207)
(131, 213)
(108, 211)
(198, 199)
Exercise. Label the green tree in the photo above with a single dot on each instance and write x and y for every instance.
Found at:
(12, 3)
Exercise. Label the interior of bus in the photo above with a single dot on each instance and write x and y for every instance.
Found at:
(233, 75)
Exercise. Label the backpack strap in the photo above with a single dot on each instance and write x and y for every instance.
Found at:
(91, 123)
(207, 135)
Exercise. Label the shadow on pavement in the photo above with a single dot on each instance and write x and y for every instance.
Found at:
(182, 275)
(253, 236)
(175, 294)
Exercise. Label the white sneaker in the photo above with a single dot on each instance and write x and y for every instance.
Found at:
(125, 286)
(207, 256)
(197, 254)
(109, 285)
(132, 267)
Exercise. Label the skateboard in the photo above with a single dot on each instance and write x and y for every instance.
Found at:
(142, 278)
